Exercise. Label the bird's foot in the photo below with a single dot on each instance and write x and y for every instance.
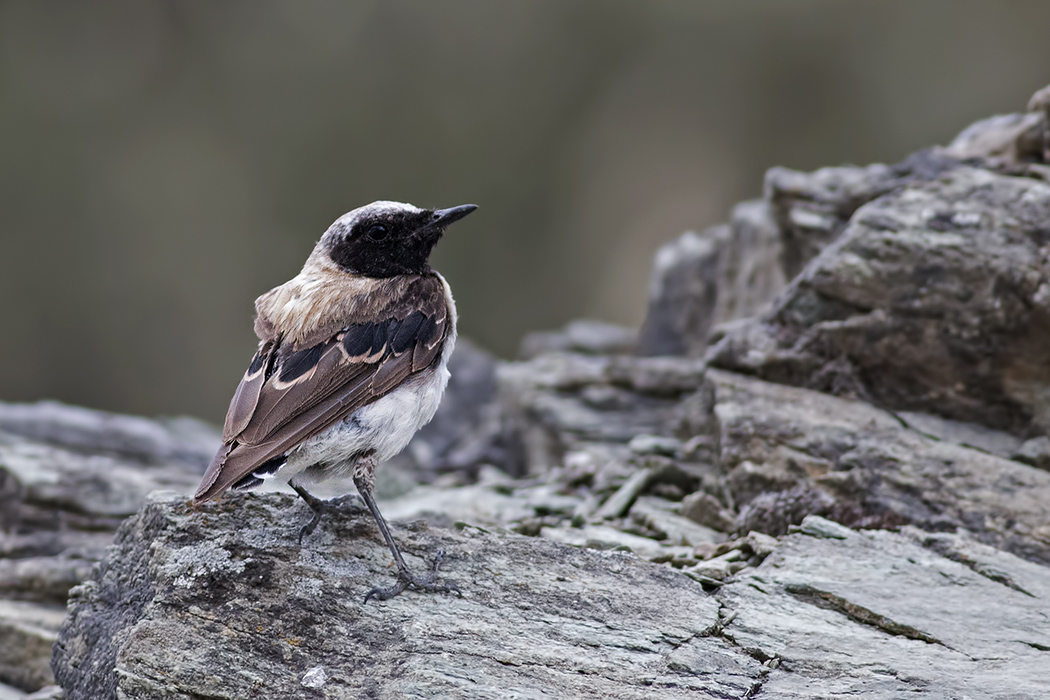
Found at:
(320, 508)
(406, 579)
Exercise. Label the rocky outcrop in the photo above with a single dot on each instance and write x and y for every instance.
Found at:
(68, 478)
(222, 602)
(936, 298)
(820, 470)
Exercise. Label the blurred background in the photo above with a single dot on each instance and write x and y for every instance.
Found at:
(164, 163)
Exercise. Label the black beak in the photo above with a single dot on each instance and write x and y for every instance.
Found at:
(443, 217)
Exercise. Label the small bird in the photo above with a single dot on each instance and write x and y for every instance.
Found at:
(351, 363)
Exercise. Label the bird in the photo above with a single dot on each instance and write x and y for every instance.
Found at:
(352, 361)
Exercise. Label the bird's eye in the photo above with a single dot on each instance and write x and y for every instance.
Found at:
(377, 232)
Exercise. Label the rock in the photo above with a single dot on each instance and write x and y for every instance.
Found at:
(1035, 452)
(588, 337)
(706, 510)
(9, 693)
(654, 445)
(132, 439)
(812, 209)
(51, 692)
(936, 298)
(27, 631)
(878, 363)
(1040, 102)
(220, 601)
(858, 465)
(878, 615)
(657, 515)
(816, 526)
(557, 403)
(1010, 138)
(700, 280)
(609, 538)
(683, 293)
(617, 505)
(994, 442)
(775, 512)
(69, 476)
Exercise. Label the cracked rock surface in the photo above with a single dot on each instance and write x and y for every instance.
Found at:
(221, 602)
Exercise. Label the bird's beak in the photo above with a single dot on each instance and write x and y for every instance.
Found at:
(444, 217)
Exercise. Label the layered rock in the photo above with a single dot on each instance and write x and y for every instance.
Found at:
(223, 602)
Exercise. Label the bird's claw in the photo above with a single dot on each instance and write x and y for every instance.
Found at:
(406, 579)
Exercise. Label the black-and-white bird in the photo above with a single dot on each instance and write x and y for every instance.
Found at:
(351, 363)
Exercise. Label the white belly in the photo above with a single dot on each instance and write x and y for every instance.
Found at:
(324, 464)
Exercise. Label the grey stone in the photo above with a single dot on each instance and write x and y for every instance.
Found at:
(816, 526)
(555, 403)
(683, 293)
(617, 505)
(1010, 138)
(812, 209)
(605, 537)
(995, 442)
(128, 438)
(655, 445)
(705, 509)
(1035, 452)
(27, 631)
(934, 299)
(9, 693)
(858, 465)
(878, 615)
(586, 336)
(657, 515)
(1040, 102)
(43, 579)
(701, 280)
(220, 601)
(776, 512)
(872, 471)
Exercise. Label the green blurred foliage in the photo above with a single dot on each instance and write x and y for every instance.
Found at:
(163, 163)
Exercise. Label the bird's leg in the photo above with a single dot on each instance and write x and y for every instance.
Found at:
(364, 479)
(316, 505)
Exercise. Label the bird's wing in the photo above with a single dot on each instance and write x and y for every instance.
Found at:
(288, 395)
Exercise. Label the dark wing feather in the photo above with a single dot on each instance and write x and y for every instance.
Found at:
(289, 394)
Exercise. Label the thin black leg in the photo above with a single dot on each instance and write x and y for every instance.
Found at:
(405, 578)
(316, 505)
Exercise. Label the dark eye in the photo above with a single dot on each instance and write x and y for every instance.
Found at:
(377, 232)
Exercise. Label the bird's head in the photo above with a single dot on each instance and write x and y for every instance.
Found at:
(384, 239)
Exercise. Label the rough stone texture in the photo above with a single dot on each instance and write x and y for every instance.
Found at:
(807, 452)
(68, 477)
(812, 209)
(27, 631)
(936, 298)
(882, 615)
(222, 602)
(700, 280)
